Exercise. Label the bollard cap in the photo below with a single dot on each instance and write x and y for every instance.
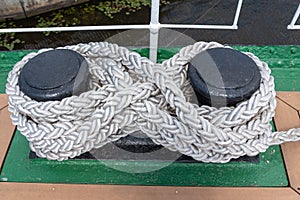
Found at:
(54, 75)
(223, 77)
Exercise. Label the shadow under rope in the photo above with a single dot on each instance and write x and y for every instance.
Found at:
(135, 149)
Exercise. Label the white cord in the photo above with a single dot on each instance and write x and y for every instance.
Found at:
(129, 92)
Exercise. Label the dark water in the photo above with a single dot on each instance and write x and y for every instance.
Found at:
(262, 22)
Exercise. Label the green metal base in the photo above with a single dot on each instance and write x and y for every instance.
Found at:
(18, 167)
(285, 64)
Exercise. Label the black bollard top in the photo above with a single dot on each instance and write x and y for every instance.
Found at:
(223, 77)
(54, 75)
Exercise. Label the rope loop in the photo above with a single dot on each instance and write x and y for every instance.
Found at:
(129, 93)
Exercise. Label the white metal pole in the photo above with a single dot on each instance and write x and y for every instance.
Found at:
(154, 27)
(294, 20)
(195, 26)
(237, 14)
(74, 28)
(115, 27)
(154, 30)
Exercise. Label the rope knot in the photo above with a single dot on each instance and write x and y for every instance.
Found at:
(128, 93)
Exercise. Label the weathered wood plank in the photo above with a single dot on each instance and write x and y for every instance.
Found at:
(3, 101)
(18, 9)
(288, 117)
(35, 191)
(11, 9)
(6, 128)
(291, 98)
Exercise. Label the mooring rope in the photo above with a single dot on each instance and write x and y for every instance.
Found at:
(128, 93)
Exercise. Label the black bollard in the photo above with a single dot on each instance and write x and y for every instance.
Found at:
(61, 73)
(220, 77)
(223, 77)
(54, 75)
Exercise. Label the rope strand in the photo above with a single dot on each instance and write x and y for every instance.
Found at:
(129, 93)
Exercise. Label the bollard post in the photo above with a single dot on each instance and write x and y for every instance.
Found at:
(223, 77)
(54, 75)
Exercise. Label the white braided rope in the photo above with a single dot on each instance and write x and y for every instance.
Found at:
(129, 92)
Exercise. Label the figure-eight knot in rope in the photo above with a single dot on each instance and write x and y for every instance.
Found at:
(128, 93)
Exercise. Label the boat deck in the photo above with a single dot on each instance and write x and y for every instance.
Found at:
(277, 174)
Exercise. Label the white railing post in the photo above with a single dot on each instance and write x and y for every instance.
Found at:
(154, 30)
(237, 14)
(294, 20)
(154, 27)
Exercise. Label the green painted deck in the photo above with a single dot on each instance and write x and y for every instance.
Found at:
(270, 171)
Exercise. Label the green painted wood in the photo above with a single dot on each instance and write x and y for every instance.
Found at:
(7, 61)
(285, 64)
